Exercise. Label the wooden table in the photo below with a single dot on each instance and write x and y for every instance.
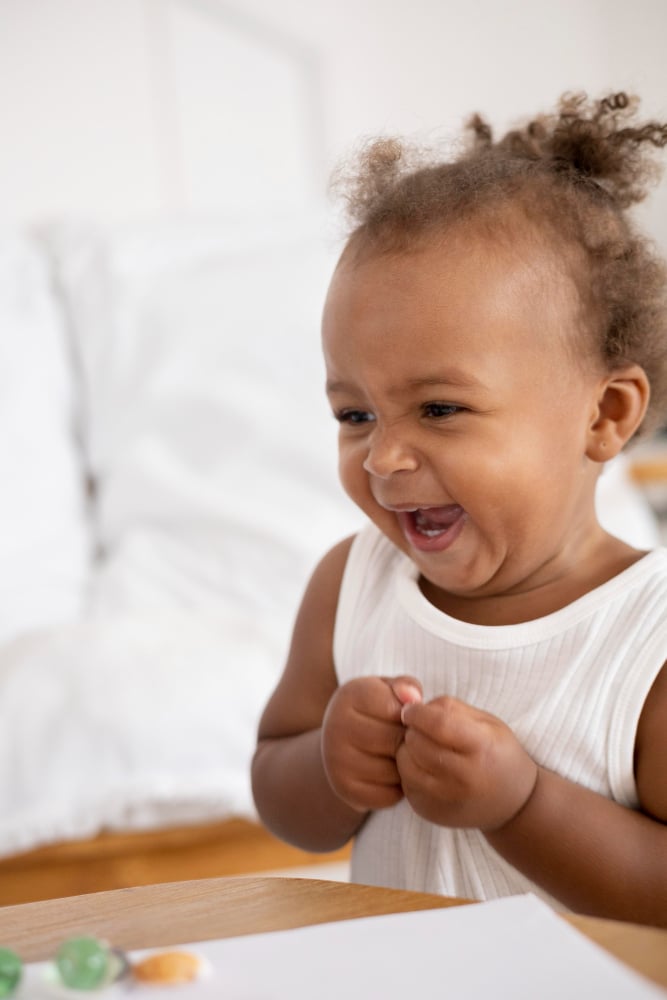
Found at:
(205, 909)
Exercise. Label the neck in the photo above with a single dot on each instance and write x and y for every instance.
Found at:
(558, 584)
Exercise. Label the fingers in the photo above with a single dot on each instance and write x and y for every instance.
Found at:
(440, 736)
(374, 736)
(365, 783)
(360, 761)
(370, 770)
(379, 697)
(407, 689)
(377, 703)
(448, 722)
(365, 714)
(361, 735)
(371, 697)
(461, 766)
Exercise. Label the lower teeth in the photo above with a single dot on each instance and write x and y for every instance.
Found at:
(428, 532)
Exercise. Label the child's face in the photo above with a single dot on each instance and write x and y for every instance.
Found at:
(463, 416)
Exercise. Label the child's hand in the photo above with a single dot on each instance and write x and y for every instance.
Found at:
(462, 767)
(361, 733)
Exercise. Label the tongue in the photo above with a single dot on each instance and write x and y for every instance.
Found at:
(437, 518)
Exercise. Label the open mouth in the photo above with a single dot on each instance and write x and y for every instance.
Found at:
(432, 528)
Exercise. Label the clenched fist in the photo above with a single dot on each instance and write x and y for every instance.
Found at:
(361, 735)
(461, 767)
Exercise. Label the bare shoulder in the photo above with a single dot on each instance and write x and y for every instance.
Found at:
(324, 585)
(309, 677)
(651, 750)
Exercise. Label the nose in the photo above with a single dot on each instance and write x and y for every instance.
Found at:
(389, 453)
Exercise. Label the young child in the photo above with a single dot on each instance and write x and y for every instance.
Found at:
(474, 690)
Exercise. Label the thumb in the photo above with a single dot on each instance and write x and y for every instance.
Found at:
(408, 690)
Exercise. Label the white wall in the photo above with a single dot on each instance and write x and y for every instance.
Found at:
(421, 66)
(123, 108)
(87, 108)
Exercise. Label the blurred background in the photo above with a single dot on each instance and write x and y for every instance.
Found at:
(136, 108)
(169, 464)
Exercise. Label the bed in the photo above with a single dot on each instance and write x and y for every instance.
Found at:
(170, 475)
(172, 484)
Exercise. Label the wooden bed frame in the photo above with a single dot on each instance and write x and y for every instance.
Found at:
(117, 860)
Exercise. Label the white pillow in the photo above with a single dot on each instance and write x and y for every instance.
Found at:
(212, 452)
(44, 542)
(207, 431)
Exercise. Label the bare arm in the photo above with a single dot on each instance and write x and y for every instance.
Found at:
(327, 754)
(594, 855)
(463, 767)
(292, 792)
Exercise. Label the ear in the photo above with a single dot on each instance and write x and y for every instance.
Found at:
(622, 399)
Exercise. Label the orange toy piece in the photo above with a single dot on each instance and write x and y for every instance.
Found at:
(167, 967)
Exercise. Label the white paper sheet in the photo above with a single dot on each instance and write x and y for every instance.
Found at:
(515, 948)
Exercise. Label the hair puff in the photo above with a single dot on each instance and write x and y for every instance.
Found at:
(574, 173)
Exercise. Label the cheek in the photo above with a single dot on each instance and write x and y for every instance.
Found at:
(529, 488)
(501, 487)
(355, 481)
(351, 471)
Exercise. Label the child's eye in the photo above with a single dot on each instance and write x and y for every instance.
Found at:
(353, 416)
(439, 410)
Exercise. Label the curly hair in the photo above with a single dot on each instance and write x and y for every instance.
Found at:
(573, 174)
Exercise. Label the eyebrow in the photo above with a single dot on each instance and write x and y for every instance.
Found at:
(452, 378)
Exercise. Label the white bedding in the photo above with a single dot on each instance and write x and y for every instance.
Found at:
(44, 542)
(205, 427)
(143, 624)
(139, 649)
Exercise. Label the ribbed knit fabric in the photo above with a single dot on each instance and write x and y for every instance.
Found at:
(571, 685)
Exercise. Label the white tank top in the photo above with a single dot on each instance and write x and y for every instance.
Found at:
(571, 686)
